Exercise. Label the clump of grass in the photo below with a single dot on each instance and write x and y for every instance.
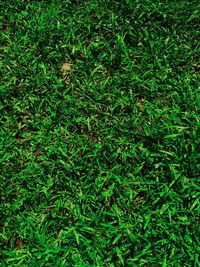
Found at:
(101, 170)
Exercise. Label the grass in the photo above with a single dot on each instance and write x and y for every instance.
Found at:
(100, 167)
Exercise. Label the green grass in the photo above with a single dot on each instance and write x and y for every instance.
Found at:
(103, 169)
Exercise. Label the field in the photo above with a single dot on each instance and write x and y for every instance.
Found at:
(99, 133)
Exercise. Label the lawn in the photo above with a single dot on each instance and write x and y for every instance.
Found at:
(99, 133)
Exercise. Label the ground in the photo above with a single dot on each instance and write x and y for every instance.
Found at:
(99, 133)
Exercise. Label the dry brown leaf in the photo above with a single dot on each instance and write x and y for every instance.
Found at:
(66, 71)
(66, 67)
(18, 243)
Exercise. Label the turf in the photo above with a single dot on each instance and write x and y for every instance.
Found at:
(100, 166)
